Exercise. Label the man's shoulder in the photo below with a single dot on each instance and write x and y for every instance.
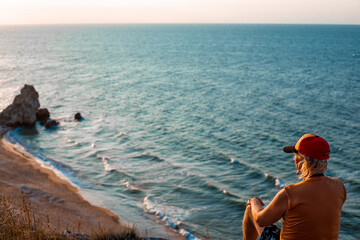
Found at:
(310, 181)
(338, 185)
(334, 180)
(294, 185)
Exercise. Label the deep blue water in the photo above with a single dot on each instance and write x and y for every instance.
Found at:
(184, 123)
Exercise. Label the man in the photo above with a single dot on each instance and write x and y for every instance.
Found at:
(310, 209)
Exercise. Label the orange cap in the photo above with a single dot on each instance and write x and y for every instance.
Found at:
(312, 146)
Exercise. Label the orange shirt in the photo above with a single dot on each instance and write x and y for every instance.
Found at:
(314, 209)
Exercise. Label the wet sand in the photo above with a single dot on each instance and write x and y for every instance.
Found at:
(52, 196)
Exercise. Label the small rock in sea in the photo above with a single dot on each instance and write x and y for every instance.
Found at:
(78, 117)
(22, 112)
(42, 115)
(51, 123)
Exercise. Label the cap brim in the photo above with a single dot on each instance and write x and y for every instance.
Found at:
(290, 149)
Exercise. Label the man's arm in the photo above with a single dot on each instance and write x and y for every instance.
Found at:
(272, 213)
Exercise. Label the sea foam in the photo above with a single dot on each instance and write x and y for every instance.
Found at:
(172, 216)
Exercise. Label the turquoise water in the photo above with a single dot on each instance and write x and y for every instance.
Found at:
(184, 123)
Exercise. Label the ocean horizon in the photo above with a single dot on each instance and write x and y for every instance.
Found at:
(183, 123)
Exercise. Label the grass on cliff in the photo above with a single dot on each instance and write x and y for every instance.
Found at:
(19, 222)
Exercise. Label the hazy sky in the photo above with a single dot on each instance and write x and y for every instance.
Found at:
(179, 11)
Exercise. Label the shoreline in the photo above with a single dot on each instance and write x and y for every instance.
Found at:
(54, 198)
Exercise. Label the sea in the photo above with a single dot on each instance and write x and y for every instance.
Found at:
(183, 123)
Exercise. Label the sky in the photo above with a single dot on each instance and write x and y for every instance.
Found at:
(179, 11)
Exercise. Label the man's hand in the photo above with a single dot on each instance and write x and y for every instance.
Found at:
(272, 213)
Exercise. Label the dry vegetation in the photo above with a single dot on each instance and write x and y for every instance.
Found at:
(17, 221)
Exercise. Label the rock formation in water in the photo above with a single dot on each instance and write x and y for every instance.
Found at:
(51, 124)
(22, 112)
(78, 117)
(42, 115)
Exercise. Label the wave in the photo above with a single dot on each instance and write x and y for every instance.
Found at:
(130, 187)
(71, 141)
(237, 161)
(121, 135)
(232, 160)
(61, 170)
(220, 189)
(105, 161)
(228, 193)
(150, 156)
(112, 169)
(171, 215)
(277, 181)
(188, 173)
(90, 154)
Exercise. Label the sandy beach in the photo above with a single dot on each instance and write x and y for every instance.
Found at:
(52, 197)
(49, 195)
